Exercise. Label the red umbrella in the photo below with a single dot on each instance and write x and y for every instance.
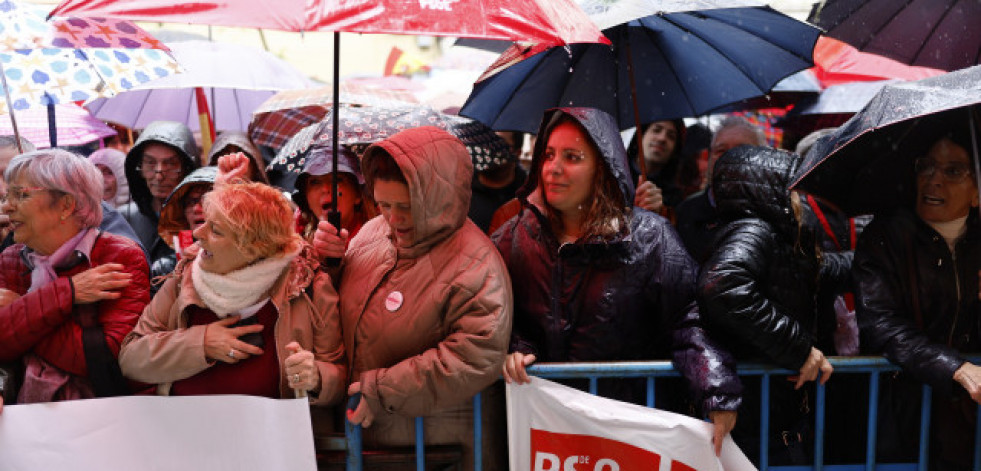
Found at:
(545, 21)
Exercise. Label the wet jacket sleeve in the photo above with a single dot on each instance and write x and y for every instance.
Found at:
(709, 369)
(732, 298)
(478, 312)
(885, 321)
(504, 240)
(157, 351)
(42, 320)
(33, 316)
(328, 345)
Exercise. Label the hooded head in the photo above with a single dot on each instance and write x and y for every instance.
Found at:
(612, 187)
(229, 142)
(437, 170)
(173, 218)
(752, 182)
(171, 134)
(114, 160)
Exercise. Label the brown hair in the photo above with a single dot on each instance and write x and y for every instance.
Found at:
(606, 216)
(378, 164)
(258, 216)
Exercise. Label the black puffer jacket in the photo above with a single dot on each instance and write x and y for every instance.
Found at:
(630, 299)
(901, 262)
(759, 284)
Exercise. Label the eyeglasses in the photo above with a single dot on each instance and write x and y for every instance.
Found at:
(951, 173)
(16, 195)
(148, 167)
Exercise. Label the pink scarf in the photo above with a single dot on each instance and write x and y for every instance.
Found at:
(44, 382)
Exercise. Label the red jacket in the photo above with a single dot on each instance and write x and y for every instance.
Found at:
(42, 321)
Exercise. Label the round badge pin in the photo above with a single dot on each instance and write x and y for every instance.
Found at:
(393, 301)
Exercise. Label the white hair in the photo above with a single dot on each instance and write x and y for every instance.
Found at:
(64, 172)
(738, 122)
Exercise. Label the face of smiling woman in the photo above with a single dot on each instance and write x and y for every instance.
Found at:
(945, 184)
(568, 169)
(219, 254)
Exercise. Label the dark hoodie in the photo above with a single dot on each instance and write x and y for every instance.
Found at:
(239, 139)
(172, 219)
(632, 298)
(140, 213)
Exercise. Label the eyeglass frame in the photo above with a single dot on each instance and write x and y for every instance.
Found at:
(25, 193)
(934, 166)
(157, 166)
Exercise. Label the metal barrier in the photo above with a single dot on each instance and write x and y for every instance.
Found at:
(873, 366)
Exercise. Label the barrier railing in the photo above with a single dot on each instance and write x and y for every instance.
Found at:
(872, 366)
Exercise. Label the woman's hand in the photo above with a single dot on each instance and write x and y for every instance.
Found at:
(969, 376)
(101, 282)
(233, 168)
(816, 364)
(514, 367)
(648, 196)
(301, 371)
(328, 243)
(722, 423)
(362, 415)
(221, 342)
(7, 297)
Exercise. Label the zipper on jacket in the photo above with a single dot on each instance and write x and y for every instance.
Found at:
(957, 287)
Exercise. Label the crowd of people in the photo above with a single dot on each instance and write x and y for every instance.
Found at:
(164, 271)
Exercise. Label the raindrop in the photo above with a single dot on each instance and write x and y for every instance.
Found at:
(570, 70)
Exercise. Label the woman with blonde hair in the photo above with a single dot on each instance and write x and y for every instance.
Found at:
(248, 313)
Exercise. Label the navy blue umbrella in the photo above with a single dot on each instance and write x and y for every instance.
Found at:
(683, 64)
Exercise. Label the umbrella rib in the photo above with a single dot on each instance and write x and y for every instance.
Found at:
(524, 79)
(950, 7)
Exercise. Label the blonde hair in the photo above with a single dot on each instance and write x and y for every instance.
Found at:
(258, 216)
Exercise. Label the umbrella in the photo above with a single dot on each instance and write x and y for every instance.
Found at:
(940, 34)
(867, 164)
(547, 21)
(72, 59)
(76, 126)
(683, 63)
(284, 114)
(236, 79)
(363, 125)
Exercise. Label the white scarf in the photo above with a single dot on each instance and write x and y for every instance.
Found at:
(43, 266)
(951, 230)
(232, 292)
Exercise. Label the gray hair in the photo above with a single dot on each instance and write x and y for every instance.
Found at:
(64, 172)
(8, 141)
(807, 143)
(740, 123)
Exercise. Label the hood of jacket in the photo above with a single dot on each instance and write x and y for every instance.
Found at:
(171, 133)
(241, 140)
(752, 182)
(438, 170)
(602, 131)
(172, 218)
(115, 161)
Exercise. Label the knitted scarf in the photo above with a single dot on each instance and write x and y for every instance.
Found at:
(231, 292)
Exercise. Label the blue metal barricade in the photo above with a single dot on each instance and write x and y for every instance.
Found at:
(872, 366)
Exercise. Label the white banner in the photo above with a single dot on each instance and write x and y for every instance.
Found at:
(552, 427)
(240, 433)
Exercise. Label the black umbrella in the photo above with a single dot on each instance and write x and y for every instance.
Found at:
(867, 164)
(942, 34)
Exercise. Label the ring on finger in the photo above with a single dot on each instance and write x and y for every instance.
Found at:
(231, 354)
(296, 377)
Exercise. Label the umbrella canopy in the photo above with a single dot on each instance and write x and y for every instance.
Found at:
(236, 79)
(684, 64)
(74, 59)
(867, 164)
(363, 125)
(284, 114)
(546, 21)
(940, 34)
(76, 126)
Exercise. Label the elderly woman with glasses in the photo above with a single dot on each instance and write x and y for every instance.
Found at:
(916, 275)
(69, 292)
(247, 313)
